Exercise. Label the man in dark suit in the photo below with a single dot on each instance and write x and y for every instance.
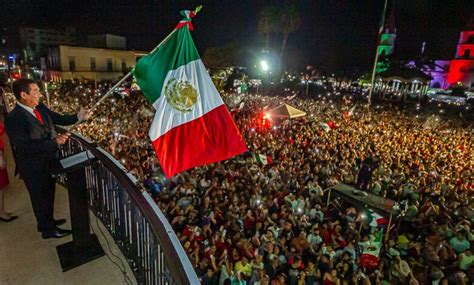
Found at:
(30, 127)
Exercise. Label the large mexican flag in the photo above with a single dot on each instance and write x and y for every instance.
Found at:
(191, 126)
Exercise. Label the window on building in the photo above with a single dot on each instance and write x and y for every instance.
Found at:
(467, 53)
(124, 65)
(93, 65)
(72, 63)
(109, 64)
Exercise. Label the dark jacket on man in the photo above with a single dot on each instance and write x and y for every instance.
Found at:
(35, 148)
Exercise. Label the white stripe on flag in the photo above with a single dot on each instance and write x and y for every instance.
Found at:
(325, 127)
(166, 117)
(351, 111)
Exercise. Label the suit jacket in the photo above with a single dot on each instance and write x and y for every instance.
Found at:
(34, 144)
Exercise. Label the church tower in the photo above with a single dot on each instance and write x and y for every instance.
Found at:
(461, 69)
(389, 35)
(387, 42)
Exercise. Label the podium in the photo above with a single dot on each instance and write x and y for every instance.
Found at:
(84, 246)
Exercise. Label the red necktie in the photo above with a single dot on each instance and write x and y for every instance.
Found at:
(38, 116)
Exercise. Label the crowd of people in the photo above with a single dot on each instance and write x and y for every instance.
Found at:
(242, 221)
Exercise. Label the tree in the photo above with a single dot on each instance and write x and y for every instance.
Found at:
(222, 56)
(290, 21)
(268, 23)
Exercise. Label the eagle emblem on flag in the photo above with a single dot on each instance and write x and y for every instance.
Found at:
(181, 94)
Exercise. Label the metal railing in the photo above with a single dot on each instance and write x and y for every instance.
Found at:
(132, 217)
(129, 213)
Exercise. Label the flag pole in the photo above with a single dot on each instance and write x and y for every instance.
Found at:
(111, 90)
(198, 8)
(382, 24)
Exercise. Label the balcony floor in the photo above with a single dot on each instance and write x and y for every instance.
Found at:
(25, 258)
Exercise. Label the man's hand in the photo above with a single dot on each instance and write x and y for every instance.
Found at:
(61, 139)
(84, 114)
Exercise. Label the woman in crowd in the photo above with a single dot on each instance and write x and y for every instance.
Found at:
(4, 216)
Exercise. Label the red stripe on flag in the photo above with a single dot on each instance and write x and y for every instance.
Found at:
(381, 221)
(185, 23)
(207, 139)
(369, 261)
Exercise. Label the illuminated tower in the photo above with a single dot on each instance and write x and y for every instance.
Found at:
(387, 42)
(461, 69)
(389, 35)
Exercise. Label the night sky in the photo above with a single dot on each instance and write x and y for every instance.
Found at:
(335, 35)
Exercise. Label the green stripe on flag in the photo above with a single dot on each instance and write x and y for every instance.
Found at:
(151, 70)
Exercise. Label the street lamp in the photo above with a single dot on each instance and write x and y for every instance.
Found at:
(264, 65)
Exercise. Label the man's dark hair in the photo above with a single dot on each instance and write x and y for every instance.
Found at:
(22, 85)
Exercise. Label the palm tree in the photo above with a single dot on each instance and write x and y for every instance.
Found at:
(268, 23)
(289, 22)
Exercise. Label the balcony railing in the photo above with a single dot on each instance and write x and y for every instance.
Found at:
(132, 217)
(138, 226)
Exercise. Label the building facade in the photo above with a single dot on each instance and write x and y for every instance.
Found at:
(439, 72)
(400, 82)
(107, 41)
(444, 73)
(461, 69)
(94, 64)
(35, 41)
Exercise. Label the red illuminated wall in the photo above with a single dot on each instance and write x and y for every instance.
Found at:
(461, 70)
(466, 36)
(462, 67)
(465, 51)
